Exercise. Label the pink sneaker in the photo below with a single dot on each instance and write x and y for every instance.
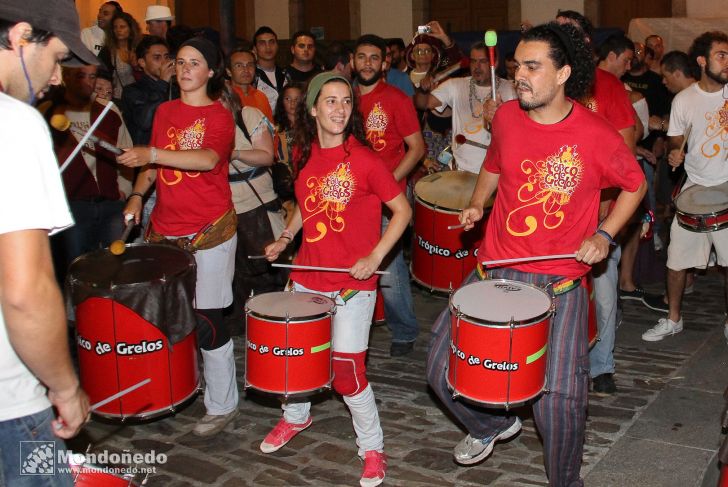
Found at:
(375, 466)
(282, 434)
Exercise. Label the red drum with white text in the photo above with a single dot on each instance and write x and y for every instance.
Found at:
(498, 342)
(443, 258)
(288, 345)
(118, 348)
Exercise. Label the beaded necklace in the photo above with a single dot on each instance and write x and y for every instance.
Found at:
(473, 97)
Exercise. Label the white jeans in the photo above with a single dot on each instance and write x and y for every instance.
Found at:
(350, 334)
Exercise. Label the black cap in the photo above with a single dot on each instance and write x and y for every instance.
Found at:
(58, 17)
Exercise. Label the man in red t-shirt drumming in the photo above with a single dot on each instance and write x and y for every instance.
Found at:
(390, 121)
(549, 159)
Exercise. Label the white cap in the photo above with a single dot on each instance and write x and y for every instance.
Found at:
(158, 12)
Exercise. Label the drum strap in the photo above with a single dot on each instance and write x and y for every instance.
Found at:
(347, 294)
(560, 287)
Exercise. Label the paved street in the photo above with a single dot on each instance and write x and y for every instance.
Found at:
(660, 429)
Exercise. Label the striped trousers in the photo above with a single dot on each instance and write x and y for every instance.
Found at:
(560, 414)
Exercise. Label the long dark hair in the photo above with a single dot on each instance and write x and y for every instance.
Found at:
(279, 114)
(305, 132)
(134, 32)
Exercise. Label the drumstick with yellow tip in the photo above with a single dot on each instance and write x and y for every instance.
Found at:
(118, 247)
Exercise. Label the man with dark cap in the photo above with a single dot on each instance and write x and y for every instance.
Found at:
(36, 373)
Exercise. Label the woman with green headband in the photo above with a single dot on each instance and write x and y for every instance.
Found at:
(340, 186)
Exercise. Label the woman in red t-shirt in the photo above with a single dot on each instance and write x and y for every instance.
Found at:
(188, 158)
(340, 187)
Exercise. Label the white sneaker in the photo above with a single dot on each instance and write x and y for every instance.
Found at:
(665, 327)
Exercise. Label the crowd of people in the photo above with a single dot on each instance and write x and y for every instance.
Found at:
(244, 162)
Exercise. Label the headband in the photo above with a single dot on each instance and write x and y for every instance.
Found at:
(318, 81)
(565, 41)
(208, 50)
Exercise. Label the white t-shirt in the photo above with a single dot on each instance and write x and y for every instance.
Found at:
(32, 197)
(467, 116)
(706, 161)
(93, 38)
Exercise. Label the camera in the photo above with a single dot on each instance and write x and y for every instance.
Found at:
(424, 29)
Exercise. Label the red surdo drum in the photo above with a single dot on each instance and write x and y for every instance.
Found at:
(442, 258)
(288, 346)
(135, 320)
(89, 475)
(498, 342)
(702, 209)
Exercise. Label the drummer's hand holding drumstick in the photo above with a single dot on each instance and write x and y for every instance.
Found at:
(365, 267)
(134, 204)
(676, 157)
(72, 406)
(593, 249)
(273, 251)
(470, 216)
(135, 157)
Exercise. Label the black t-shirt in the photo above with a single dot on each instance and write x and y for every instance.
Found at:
(651, 87)
(658, 98)
(298, 76)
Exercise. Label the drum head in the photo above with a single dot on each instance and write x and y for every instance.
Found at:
(499, 301)
(448, 189)
(139, 263)
(702, 200)
(297, 306)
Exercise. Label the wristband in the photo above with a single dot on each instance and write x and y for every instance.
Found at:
(605, 235)
(134, 193)
(153, 151)
(287, 234)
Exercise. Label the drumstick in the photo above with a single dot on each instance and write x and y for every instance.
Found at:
(454, 227)
(256, 257)
(116, 396)
(528, 259)
(317, 268)
(106, 401)
(685, 141)
(118, 247)
(460, 139)
(83, 140)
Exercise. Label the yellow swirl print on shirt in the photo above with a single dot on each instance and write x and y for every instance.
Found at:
(183, 139)
(548, 188)
(376, 126)
(328, 198)
(716, 131)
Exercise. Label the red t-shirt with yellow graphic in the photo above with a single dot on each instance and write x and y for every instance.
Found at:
(389, 116)
(609, 99)
(340, 192)
(189, 200)
(548, 189)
